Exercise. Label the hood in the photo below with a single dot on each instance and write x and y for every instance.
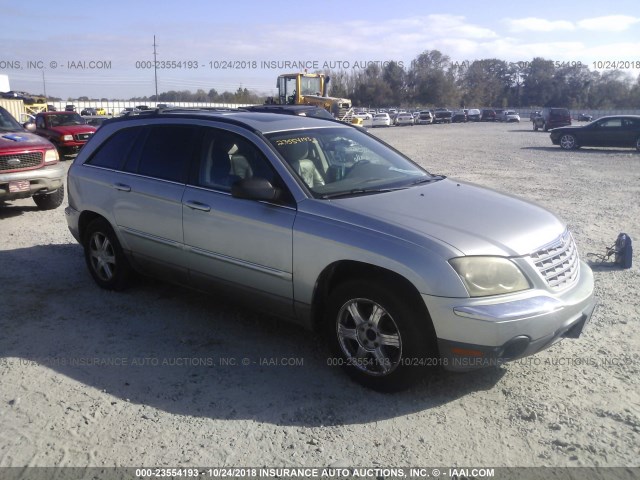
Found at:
(471, 219)
(569, 127)
(73, 129)
(11, 142)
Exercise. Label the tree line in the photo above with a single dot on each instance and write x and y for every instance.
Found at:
(433, 79)
(242, 95)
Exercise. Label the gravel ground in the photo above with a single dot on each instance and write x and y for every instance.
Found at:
(177, 393)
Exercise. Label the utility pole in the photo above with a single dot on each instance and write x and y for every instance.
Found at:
(44, 86)
(155, 66)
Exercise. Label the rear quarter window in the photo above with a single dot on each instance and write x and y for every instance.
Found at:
(115, 150)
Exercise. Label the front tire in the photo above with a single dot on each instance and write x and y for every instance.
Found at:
(104, 256)
(568, 142)
(50, 201)
(383, 339)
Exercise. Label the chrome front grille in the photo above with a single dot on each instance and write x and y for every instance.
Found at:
(82, 137)
(558, 262)
(20, 161)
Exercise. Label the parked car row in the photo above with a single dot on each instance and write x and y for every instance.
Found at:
(441, 115)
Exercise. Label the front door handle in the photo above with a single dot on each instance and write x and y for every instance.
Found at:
(122, 187)
(197, 205)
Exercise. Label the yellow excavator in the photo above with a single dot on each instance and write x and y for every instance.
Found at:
(310, 89)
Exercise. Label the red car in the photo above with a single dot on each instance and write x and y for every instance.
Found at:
(29, 166)
(68, 131)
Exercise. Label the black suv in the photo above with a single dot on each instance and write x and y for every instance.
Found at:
(488, 115)
(550, 118)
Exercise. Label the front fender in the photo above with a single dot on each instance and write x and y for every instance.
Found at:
(319, 242)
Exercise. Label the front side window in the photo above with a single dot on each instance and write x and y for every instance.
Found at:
(225, 158)
(611, 123)
(340, 161)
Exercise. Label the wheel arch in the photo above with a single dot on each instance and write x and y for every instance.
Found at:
(86, 217)
(345, 270)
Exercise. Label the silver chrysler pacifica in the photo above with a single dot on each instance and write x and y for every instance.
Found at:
(323, 224)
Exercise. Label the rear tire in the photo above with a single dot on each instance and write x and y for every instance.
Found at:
(638, 144)
(104, 256)
(50, 201)
(535, 127)
(380, 336)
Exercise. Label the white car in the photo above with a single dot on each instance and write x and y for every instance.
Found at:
(510, 116)
(404, 119)
(424, 118)
(381, 120)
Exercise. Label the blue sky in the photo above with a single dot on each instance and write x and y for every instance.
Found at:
(209, 34)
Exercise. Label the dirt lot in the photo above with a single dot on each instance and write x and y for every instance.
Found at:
(177, 391)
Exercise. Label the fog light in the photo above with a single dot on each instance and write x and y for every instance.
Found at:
(515, 347)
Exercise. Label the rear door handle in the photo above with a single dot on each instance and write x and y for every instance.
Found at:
(197, 205)
(122, 187)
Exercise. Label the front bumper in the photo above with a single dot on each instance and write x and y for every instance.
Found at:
(481, 332)
(41, 180)
(71, 147)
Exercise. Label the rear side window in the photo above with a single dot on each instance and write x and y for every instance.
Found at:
(167, 152)
(114, 151)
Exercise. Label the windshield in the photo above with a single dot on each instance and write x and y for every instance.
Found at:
(66, 119)
(8, 123)
(310, 86)
(340, 161)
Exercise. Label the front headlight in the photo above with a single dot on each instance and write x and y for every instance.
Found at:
(51, 156)
(67, 138)
(483, 276)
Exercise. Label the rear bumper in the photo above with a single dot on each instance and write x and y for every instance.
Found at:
(481, 332)
(73, 222)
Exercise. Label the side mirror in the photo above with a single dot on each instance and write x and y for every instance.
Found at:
(29, 126)
(255, 189)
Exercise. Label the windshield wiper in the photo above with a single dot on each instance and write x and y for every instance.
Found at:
(360, 191)
(433, 178)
